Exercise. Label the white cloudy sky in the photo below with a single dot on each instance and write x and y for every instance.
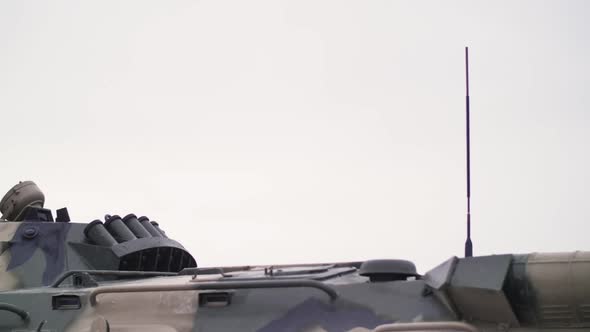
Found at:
(305, 131)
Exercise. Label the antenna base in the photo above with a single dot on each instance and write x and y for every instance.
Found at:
(468, 248)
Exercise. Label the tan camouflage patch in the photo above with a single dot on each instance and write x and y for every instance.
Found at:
(8, 280)
(99, 325)
(316, 329)
(7, 230)
(149, 311)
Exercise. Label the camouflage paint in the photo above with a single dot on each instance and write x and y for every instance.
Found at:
(50, 238)
(153, 311)
(314, 313)
(547, 290)
(7, 279)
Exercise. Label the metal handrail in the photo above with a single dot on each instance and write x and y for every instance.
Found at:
(197, 271)
(214, 285)
(116, 273)
(16, 310)
(426, 326)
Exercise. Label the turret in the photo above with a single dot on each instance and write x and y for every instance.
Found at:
(541, 289)
(35, 250)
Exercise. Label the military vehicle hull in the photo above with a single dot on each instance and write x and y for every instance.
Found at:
(126, 274)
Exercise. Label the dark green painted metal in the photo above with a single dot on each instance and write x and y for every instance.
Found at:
(16, 310)
(115, 273)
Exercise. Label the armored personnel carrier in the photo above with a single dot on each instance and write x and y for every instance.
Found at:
(126, 274)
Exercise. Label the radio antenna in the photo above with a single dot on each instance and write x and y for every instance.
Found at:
(468, 244)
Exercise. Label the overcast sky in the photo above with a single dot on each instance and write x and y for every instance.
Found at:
(274, 132)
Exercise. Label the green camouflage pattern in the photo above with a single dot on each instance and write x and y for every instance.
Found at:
(166, 292)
